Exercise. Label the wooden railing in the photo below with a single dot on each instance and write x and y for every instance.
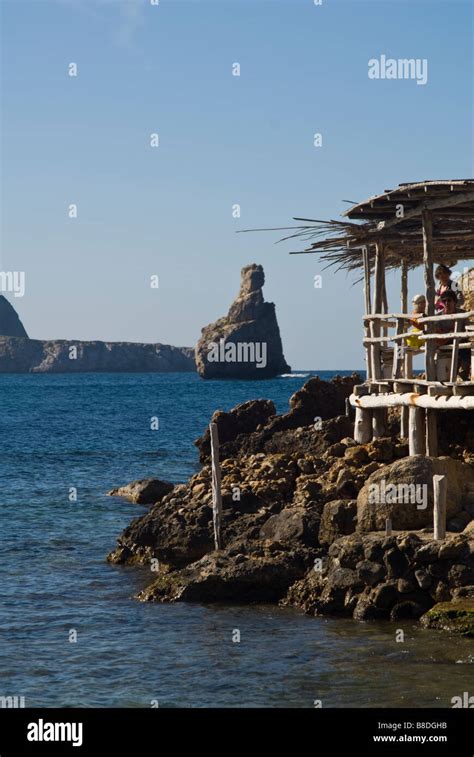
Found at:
(402, 355)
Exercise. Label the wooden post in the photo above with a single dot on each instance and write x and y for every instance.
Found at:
(216, 486)
(388, 526)
(431, 434)
(367, 326)
(377, 308)
(362, 426)
(407, 373)
(455, 354)
(416, 428)
(404, 289)
(430, 347)
(440, 486)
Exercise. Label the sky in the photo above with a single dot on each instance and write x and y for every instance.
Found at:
(224, 140)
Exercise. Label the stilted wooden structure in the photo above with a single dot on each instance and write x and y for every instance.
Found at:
(423, 223)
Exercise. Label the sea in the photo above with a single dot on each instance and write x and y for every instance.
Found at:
(71, 634)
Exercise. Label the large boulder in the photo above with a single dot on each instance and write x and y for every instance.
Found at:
(242, 419)
(403, 491)
(245, 344)
(10, 324)
(146, 491)
(229, 577)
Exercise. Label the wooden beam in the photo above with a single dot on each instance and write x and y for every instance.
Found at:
(430, 368)
(426, 206)
(413, 399)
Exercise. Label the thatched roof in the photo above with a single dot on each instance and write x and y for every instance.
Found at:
(394, 219)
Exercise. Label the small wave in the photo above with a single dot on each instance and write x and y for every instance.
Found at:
(293, 375)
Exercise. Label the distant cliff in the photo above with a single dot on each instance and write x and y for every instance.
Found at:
(10, 324)
(22, 355)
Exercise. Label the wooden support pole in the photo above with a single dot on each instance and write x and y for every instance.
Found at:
(363, 426)
(404, 288)
(416, 429)
(216, 487)
(388, 526)
(455, 354)
(377, 308)
(407, 373)
(367, 330)
(431, 434)
(430, 348)
(440, 487)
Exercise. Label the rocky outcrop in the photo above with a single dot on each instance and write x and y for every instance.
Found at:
(146, 491)
(373, 576)
(21, 355)
(245, 344)
(298, 526)
(10, 324)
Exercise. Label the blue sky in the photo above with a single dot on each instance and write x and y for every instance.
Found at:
(224, 140)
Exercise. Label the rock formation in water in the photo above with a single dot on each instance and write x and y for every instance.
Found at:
(300, 526)
(245, 344)
(19, 355)
(10, 324)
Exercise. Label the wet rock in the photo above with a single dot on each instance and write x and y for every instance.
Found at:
(145, 491)
(218, 577)
(455, 617)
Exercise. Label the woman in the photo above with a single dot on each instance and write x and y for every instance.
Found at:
(446, 284)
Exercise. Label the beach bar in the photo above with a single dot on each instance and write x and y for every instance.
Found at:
(417, 224)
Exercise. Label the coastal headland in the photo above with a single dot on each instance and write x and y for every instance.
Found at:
(302, 525)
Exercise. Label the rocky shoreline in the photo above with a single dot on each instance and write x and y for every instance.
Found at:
(300, 525)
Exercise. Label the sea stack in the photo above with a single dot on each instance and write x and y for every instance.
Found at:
(246, 343)
(10, 324)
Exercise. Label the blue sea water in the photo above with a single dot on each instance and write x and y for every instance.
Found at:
(90, 432)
